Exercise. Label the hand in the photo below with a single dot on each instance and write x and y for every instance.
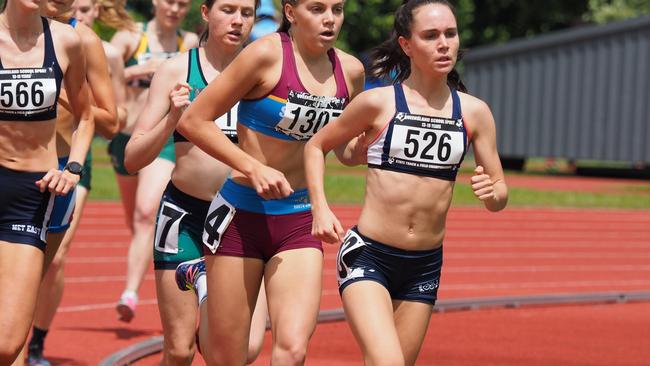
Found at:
(360, 150)
(179, 99)
(326, 227)
(270, 183)
(58, 182)
(151, 65)
(482, 185)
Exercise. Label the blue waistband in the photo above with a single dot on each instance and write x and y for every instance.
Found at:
(63, 161)
(247, 199)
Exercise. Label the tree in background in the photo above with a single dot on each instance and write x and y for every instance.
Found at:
(604, 11)
(481, 22)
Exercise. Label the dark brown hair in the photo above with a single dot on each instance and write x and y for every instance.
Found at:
(388, 60)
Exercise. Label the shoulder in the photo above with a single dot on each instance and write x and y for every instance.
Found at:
(65, 35)
(375, 99)
(174, 68)
(476, 112)
(112, 53)
(87, 35)
(352, 66)
(126, 36)
(190, 39)
(264, 51)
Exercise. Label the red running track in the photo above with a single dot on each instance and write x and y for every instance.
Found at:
(515, 252)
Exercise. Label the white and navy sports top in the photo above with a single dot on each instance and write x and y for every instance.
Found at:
(421, 145)
(31, 93)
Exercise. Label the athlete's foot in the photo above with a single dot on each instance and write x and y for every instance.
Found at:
(35, 356)
(126, 306)
(188, 272)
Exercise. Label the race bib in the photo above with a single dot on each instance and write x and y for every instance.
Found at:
(305, 114)
(351, 247)
(27, 91)
(427, 142)
(227, 122)
(167, 228)
(220, 214)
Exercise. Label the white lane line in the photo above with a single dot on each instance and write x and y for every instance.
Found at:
(560, 285)
(91, 307)
(521, 269)
(96, 279)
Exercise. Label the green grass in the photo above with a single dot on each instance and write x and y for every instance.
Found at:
(347, 185)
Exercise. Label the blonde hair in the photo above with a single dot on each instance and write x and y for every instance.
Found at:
(113, 14)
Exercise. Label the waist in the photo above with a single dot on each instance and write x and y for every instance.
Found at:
(188, 202)
(246, 198)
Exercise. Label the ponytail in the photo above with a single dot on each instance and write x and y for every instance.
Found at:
(113, 14)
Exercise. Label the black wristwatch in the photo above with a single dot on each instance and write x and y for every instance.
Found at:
(74, 168)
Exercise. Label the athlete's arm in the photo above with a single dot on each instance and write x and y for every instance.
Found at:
(242, 76)
(355, 151)
(116, 67)
(488, 182)
(104, 111)
(357, 118)
(126, 42)
(159, 117)
(61, 182)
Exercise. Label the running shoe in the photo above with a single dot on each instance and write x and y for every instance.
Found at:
(126, 307)
(188, 272)
(35, 356)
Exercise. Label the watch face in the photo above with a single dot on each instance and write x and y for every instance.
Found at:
(74, 167)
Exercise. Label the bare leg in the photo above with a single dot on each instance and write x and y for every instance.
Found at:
(18, 264)
(369, 311)
(293, 286)
(233, 286)
(178, 316)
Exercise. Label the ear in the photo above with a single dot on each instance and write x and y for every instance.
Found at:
(288, 12)
(405, 44)
(204, 13)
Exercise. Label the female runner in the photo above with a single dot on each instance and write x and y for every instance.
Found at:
(38, 55)
(289, 85)
(196, 177)
(143, 50)
(389, 265)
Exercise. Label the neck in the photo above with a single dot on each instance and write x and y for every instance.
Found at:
(310, 55)
(159, 30)
(19, 20)
(218, 55)
(433, 89)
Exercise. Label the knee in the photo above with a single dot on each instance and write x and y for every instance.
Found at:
(9, 351)
(144, 215)
(179, 355)
(290, 352)
(385, 359)
(254, 350)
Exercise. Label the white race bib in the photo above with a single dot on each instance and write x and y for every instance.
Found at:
(220, 214)
(305, 114)
(167, 227)
(27, 91)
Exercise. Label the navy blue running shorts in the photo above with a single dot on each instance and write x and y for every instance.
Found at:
(25, 210)
(408, 275)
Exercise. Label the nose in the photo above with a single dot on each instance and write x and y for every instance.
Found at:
(175, 7)
(238, 19)
(443, 43)
(328, 17)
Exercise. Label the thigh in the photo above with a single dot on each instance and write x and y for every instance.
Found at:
(369, 311)
(233, 287)
(411, 320)
(128, 186)
(19, 264)
(152, 181)
(178, 310)
(293, 280)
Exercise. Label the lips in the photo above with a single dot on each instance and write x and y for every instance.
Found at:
(327, 35)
